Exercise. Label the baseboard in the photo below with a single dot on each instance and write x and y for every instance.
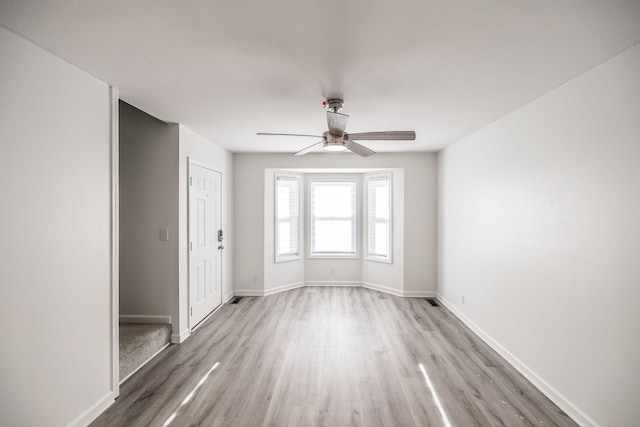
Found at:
(419, 294)
(144, 363)
(330, 283)
(179, 338)
(248, 293)
(145, 318)
(227, 297)
(283, 288)
(94, 411)
(376, 287)
(337, 283)
(563, 403)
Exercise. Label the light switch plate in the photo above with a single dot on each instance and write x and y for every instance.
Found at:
(164, 234)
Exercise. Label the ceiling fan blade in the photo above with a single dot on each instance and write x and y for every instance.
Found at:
(287, 134)
(384, 136)
(359, 149)
(308, 149)
(337, 123)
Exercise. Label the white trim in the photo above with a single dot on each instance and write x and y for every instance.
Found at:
(283, 288)
(144, 318)
(181, 337)
(144, 363)
(333, 255)
(556, 397)
(94, 411)
(336, 284)
(376, 287)
(248, 293)
(115, 247)
(419, 294)
(227, 297)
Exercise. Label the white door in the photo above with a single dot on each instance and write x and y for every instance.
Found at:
(205, 251)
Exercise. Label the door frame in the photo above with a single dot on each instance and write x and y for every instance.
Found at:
(190, 163)
(115, 239)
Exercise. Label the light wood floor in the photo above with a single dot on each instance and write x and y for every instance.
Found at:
(331, 357)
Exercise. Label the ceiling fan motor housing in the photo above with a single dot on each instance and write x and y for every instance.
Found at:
(335, 104)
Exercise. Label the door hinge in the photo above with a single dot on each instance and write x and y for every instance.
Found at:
(191, 246)
(190, 180)
(192, 311)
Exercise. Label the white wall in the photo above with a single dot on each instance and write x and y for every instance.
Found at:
(420, 216)
(195, 147)
(148, 202)
(55, 255)
(539, 229)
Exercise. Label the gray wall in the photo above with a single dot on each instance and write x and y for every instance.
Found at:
(539, 230)
(148, 202)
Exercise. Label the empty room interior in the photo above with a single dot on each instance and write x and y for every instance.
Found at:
(337, 213)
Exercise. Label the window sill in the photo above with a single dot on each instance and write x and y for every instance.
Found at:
(333, 256)
(287, 258)
(380, 259)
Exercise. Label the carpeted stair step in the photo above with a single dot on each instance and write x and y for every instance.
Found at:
(138, 343)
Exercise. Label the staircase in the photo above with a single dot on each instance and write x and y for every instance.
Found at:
(139, 343)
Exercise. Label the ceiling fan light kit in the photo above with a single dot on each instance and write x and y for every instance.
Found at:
(336, 139)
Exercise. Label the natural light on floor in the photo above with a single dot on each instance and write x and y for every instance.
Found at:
(190, 395)
(443, 414)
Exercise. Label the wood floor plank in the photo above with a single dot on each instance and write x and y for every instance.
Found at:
(331, 357)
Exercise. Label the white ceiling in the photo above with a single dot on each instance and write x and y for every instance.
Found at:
(229, 69)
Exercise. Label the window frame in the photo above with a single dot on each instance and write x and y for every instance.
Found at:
(387, 176)
(311, 178)
(276, 238)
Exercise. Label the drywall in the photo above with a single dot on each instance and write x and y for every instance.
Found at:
(195, 147)
(148, 202)
(539, 231)
(420, 216)
(55, 257)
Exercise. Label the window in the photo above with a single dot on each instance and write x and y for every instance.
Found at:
(379, 217)
(287, 217)
(333, 216)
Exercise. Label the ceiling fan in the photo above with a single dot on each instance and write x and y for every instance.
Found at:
(336, 139)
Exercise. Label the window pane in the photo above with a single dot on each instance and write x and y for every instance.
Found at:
(378, 216)
(332, 199)
(382, 201)
(333, 236)
(287, 215)
(284, 201)
(380, 241)
(284, 238)
(333, 217)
